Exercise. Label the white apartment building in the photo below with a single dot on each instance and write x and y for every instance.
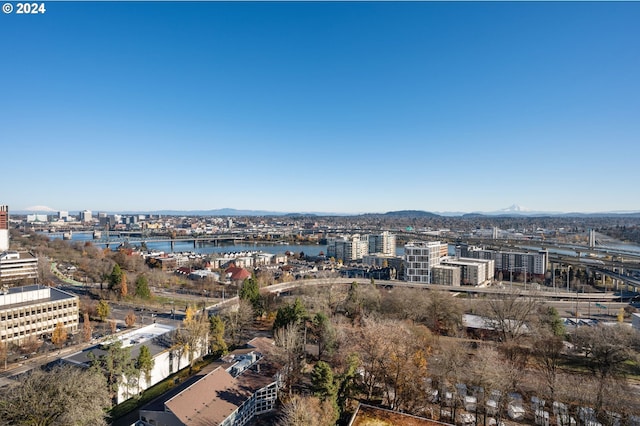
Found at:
(348, 248)
(35, 311)
(18, 267)
(86, 216)
(420, 257)
(37, 218)
(168, 358)
(384, 243)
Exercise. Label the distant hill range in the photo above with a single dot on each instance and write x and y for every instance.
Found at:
(513, 211)
(410, 213)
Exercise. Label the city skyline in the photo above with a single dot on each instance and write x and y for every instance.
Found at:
(363, 107)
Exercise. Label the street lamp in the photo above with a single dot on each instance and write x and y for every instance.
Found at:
(568, 269)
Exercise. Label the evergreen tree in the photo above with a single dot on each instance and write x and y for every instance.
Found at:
(112, 365)
(145, 363)
(290, 314)
(322, 381)
(346, 382)
(324, 333)
(142, 287)
(250, 291)
(554, 322)
(115, 278)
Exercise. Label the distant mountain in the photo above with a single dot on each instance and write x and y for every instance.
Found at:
(514, 208)
(40, 209)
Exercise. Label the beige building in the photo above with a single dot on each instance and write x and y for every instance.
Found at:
(35, 310)
(472, 271)
(445, 275)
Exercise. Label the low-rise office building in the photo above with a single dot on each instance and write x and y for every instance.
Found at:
(383, 261)
(445, 275)
(168, 357)
(34, 311)
(18, 267)
(471, 272)
(531, 263)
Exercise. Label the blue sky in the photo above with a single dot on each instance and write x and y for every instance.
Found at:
(321, 106)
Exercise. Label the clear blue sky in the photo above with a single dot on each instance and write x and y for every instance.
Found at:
(329, 106)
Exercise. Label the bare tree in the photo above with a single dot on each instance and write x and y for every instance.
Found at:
(130, 319)
(307, 410)
(606, 350)
(509, 315)
(62, 396)
(197, 331)
(443, 313)
(449, 363)
(288, 352)
(548, 354)
(405, 367)
(86, 327)
(237, 320)
(31, 345)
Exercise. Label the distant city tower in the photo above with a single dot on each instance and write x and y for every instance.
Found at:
(4, 228)
(86, 216)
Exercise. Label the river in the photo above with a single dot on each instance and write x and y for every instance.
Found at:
(187, 246)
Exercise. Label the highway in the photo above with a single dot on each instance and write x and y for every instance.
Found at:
(505, 288)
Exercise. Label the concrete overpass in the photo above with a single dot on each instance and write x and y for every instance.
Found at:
(542, 292)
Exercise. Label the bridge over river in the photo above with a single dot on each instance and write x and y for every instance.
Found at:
(136, 238)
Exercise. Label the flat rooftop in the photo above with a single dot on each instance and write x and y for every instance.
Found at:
(134, 339)
(28, 295)
(7, 256)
